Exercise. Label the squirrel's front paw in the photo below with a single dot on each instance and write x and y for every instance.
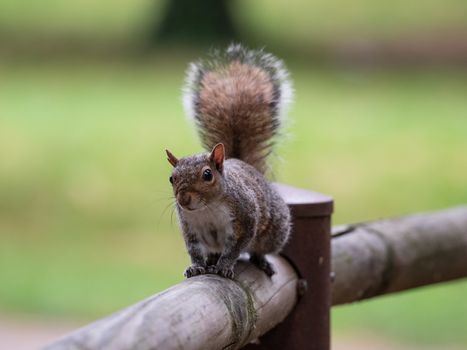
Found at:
(226, 272)
(194, 270)
(212, 269)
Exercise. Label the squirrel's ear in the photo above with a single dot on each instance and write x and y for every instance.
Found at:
(217, 156)
(171, 158)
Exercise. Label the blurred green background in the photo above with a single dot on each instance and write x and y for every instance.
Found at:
(90, 98)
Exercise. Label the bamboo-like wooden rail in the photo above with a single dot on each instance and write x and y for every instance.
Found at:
(386, 256)
(210, 312)
(203, 312)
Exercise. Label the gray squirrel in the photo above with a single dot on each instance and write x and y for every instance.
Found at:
(225, 205)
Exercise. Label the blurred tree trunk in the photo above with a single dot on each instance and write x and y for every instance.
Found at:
(194, 22)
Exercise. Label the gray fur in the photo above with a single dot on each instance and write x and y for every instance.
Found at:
(236, 211)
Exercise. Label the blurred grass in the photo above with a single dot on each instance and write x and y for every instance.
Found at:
(434, 315)
(86, 225)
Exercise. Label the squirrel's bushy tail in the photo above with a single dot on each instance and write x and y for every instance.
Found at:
(239, 98)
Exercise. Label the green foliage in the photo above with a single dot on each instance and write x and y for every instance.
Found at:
(303, 22)
(86, 18)
(84, 228)
(292, 22)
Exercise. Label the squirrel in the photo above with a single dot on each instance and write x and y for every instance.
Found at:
(224, 203)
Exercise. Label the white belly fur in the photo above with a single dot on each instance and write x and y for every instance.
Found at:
(211, 225)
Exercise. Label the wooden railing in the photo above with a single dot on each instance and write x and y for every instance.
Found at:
(291, 309)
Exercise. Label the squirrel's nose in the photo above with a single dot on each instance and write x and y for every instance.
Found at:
(184, 199)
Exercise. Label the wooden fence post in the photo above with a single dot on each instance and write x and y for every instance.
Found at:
(308, 326)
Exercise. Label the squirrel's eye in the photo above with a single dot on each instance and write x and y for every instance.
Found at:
(207, 175)
(171, 179)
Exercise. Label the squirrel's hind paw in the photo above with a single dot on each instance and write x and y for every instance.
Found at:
(260, 262)
(194, 270)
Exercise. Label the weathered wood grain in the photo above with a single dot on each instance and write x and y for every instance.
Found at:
(387, 256)
(210, 312)
(203, 312)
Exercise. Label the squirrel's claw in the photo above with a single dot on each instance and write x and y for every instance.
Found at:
(226, 272)
(194, 270)
(211, 269)
(268, 269)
